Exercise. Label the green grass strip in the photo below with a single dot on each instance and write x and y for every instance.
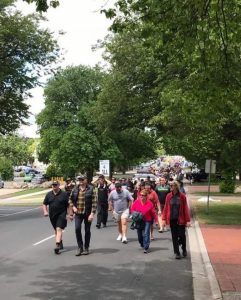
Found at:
(219, 213)
(24, 192)
(217, 194)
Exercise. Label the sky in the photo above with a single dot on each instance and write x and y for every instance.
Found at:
(83, 25)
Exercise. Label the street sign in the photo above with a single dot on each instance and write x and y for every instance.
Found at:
(105, 167)
(210, 166)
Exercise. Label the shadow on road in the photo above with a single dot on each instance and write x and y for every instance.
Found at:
(128, 281)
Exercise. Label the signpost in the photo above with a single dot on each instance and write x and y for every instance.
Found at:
(210, 168)
(104, 167)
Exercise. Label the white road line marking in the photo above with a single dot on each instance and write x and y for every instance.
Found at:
(48, 238)
(20, 212)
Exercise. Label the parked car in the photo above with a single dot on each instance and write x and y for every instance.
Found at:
(144, 176)
(143, 168)
(1, 183)
(28, 177)
(38, 179)
(199, 175)
(28, 170)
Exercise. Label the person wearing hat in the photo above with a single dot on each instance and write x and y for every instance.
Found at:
(119, 202)
(83, 207)
(55, 206)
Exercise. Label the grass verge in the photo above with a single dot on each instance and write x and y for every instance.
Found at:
(221, 213)
(24, 192)
(217, 194)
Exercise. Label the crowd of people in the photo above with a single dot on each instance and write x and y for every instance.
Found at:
(146, 203)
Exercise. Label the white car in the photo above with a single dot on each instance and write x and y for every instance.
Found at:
(1, 183)
(144, 176)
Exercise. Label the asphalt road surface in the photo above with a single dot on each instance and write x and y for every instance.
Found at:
(29, 269)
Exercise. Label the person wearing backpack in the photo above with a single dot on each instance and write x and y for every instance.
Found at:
(146, 208)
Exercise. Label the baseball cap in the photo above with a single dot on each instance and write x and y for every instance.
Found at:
(81, 177)
(55, 182)
(118, 185)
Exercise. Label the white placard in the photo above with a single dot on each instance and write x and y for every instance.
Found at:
(105, 167)
(210, 166)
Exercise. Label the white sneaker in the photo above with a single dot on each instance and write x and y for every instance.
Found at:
(124, 240)
(119, 238)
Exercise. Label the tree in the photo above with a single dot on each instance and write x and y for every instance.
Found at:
(68, 138)
(193, 47)
(6, 168)
(72, 134)
(26, 52)
(43, 5)
(15, 149)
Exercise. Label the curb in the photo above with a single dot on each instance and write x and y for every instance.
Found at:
(205, 284)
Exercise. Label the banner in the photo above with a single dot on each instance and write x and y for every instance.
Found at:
(105, 167)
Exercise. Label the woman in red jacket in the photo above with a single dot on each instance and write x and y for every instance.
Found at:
(176, 214)
(146, 207)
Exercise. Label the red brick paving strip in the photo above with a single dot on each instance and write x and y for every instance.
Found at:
(223, 244)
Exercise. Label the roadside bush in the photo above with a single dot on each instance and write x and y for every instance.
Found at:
(6, 168)
(214, 179)
(227, 186)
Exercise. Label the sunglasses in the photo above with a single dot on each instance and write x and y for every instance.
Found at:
(143, 195)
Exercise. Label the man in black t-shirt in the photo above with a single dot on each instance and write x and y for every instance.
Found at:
(55, 206)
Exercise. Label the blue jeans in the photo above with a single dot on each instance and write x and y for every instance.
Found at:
(144, 235)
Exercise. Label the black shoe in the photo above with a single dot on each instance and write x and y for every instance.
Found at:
(178, 256)
(61, 245)
(57, 248)
(104, 225)
(97, 226)
(86, 252)
(79, 252)
(184, 253)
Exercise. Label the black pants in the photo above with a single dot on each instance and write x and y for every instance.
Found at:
(79, 218)
(178, 236)
(102, 213)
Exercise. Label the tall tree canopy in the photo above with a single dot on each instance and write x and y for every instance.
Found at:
(73, 136)
(193, 52)
(67, 130)
(43, 5)
(16, 149)
(26, 52)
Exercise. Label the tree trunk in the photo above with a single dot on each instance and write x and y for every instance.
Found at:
(89, 174)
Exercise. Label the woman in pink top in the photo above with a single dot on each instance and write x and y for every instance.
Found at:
(145, 207)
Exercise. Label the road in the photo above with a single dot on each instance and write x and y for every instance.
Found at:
(29, 269)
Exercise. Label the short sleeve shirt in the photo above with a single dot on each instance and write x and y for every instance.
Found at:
(120, 201)
(57, 203)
